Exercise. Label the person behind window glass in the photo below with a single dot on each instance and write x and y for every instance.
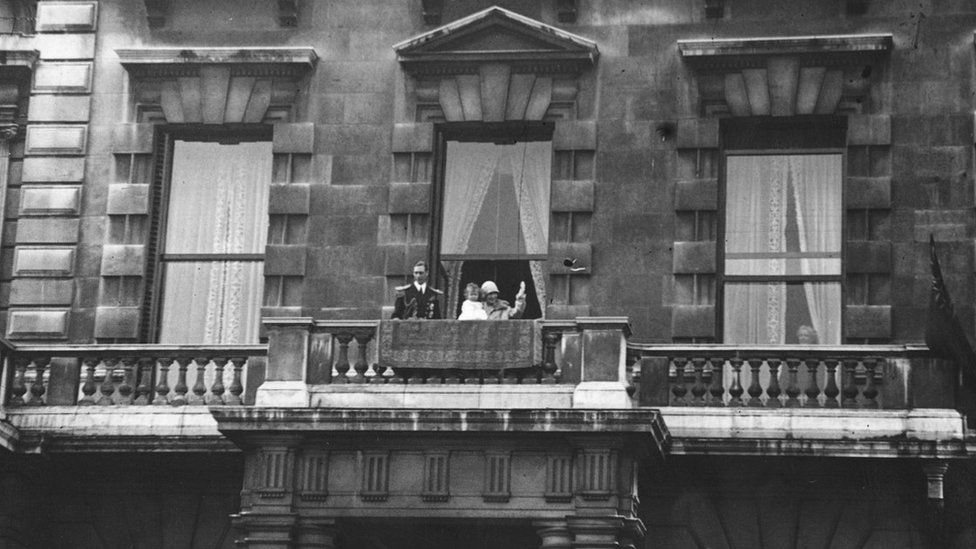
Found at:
(499, 309)
(417, 300)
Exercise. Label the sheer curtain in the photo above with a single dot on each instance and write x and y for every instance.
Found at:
(218, 204)
(817, 195)
(755, 226)
(468, 173)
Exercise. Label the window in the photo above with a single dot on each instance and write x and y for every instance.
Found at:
(494, 216)
(211, 247)
(782, 268)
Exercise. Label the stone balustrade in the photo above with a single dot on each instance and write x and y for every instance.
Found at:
(39, 375)
(850, 376)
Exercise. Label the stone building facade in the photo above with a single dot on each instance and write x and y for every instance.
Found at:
(712, 203)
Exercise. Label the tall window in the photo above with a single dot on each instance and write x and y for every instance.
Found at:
(212, 254)
(782, 270)
(494, 222)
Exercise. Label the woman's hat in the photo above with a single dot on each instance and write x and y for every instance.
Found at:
(489, 287)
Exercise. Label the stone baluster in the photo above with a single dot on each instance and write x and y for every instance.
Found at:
(18, 388)
(125, 388)
(773, 391)
(472, 377)
(199, 388)
(37, 388)
(755, 389)
(216, 396)
(698, 389)
(162, 387)
(549, 369)
(849, 389)
(181, 387)
(813, 389)
(144, 375)
(342, 360)
(88, 387)
(678, 388)
(453, 377)
(870, 390)
(379, 372)
(830, 389)
(793, 389)
(236, 387)
(715, 388)
(362, 365)
(735, 390)
(108, 384)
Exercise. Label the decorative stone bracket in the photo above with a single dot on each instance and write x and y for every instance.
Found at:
(785, 76)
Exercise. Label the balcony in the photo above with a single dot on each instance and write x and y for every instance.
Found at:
(797, 400)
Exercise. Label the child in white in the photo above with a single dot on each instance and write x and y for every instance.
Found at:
(472, 308)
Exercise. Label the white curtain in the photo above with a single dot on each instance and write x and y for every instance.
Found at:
(472, 170)
(218, 204)
(817, 195)
(755, 224)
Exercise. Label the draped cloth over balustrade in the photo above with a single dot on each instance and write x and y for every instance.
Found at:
(459, 345)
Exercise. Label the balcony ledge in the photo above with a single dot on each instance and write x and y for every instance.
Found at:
(924, 432)
(117, 429)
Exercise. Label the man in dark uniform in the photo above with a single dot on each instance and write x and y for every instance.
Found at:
(418, 300)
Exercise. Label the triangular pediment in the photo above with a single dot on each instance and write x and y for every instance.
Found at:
(495, 35)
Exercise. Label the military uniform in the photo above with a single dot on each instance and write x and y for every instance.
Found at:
(412, 303)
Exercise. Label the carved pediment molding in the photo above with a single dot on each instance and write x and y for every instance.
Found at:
(496, 36)
(785, 76)
(216, 85)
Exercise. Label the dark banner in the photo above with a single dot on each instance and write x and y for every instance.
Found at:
(458, 344)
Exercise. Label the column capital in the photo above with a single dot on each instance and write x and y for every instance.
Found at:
(316, 533)
(265, 530)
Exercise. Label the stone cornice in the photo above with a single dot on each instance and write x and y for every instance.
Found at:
(448, 50)
(17, 57)
(242, 61)
(829, 50)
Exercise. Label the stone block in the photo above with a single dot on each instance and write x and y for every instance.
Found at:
(45, 230)
(868, 257)
(65, 46)
(572, 196)
(564, 312)
(298, 137)
(867, 193)
(413, 137)
(127, 199)
(574, 135)
(697, 194)
(944, 225)
(407, 198)
(117, 322)
(693, 321)
(59, 108)
(123, 260)
(53, 170)
(868, 129)
(43, 261)
(133, 138)
(38, 200)
(867, 321)
(62, 77)
(41, 291)
(697, 133)
(284, 260)
(581, 254)
(292, 198)
(395, 260)
(61, 139)
(37, 323)
(693, 257)
(66, 16)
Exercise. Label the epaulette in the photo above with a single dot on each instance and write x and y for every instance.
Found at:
(400, 290)
(435, 290)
